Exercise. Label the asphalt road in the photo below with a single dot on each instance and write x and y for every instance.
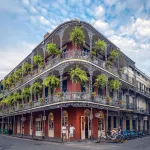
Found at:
(12, 143)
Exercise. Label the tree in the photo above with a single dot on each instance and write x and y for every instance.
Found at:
(100, 47)
(36, 87)
(38, 60)
(114, 85)
(26, 68)
(78, 75)
(26, 93)
(52, 49)
(77, 36)
(51, 81)
(18, 75)
(101, 81)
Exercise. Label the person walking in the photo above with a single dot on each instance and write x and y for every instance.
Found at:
(64, 133)
(71, 132)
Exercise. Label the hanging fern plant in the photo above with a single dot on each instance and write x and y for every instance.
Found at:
(114, 85)
(78, 75)
(18, 75)
(100, 47)
(38, 60)
(51, 49)
(101, 81)
(77, 36)
(26, 68)
(36, 87)
(16, 96)
(26, 93)
(51, 81)
(113, 56)
(10, 80)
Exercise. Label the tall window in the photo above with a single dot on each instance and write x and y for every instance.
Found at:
(64, 86)
(51, 121)
(115, 122)
(100, 91)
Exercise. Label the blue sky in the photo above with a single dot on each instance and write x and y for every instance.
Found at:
(23, 24)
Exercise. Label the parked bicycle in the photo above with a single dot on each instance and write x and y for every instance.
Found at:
(117, 137)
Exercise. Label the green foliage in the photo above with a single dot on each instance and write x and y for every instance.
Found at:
(52, 49)
(26, 93)
(36, 87)
(108, 63)
(18, 75)
(10, 81)
(93, 94)
(52, 82)
(114, 85)
(78, 75)
(93, 53)
(113, 56)
(26, 68)
(100, 46)
(4, 83)
(101, 81)
(16, 96)
(59, 94)
(77, 36)
(120, 70)
(38, 60)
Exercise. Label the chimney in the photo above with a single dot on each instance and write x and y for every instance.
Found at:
(46, 35)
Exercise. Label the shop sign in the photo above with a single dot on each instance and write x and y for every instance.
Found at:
(145, 118)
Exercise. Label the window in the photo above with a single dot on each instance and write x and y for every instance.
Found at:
(64, 87)
(115, 122)
(38, 125)
(100, 91)
(83, 88)
(51, 121)
(111, 94)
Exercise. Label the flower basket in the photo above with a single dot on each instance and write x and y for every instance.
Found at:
(59, 94)
(93, 94)
(108, 99)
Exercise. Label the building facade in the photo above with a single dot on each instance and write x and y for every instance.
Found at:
(90, 109)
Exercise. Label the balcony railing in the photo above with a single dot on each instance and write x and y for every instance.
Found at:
(142, 92)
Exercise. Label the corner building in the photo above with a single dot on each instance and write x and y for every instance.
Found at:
(129, 106)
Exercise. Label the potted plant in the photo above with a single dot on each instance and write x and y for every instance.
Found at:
(41, 100)
(108, 99)
(120, 102)
(100, 47)
(93, 94)
(77, 36)
(108, 64)
(38, 60)
(26, 93)
(114, 85)
(78, 75)
(18, 75)
(59, 94)
(52, 50)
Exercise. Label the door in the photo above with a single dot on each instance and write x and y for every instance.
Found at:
(65, 122)
(18, 126)
(51, 125)
(82, 127)
(127, 124)
(100, 126)
(30, 128)
(109, 123)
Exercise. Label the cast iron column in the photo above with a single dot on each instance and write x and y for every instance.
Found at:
(107, 121)
(44, 123)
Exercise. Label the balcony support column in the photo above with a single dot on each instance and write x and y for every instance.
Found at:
(61, 113)
(32, 64)
(31, 125)
(61, 80)
(106, 46)
(106, 121)
(91, 117)
(8, 123)
(44, 54)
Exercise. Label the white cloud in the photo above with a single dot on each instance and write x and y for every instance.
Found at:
(15, 54)
(103, 27)
(99, 12)
(26, 2)
(43, 21)
(33, 10)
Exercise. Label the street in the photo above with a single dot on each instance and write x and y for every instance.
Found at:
(13, 143)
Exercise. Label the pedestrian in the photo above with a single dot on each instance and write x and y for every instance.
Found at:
(71, 132)
(119, 130)
(64, 132)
